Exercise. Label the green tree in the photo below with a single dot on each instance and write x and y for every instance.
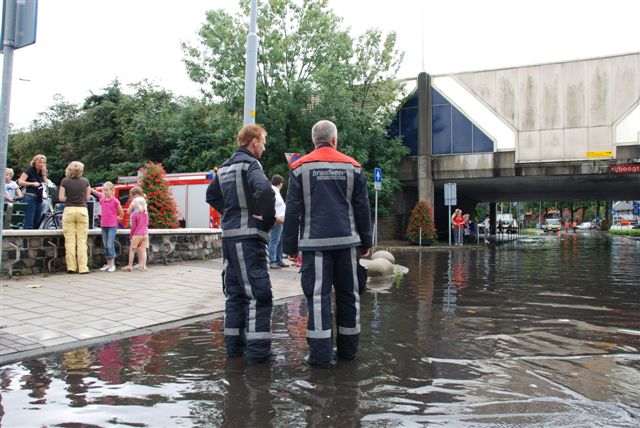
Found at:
(309, 68)
(113, 133)
(203, 136)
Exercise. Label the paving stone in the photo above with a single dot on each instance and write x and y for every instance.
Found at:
(64, 312)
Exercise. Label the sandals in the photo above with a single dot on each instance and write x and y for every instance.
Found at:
(132, 268)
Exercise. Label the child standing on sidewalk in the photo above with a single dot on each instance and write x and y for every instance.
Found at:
(135, 192)
(139, 234)
(111, 214)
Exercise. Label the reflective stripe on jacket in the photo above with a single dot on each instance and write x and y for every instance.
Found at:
(239, 191)
(327, 204)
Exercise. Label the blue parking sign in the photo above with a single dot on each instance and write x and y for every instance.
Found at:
(377, 175)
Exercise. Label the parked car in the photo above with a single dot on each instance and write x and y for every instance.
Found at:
(587, 225)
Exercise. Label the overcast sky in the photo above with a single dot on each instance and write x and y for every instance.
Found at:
(82, 45)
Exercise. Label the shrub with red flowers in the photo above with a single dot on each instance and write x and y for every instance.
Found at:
(421, 222)
(163, 210)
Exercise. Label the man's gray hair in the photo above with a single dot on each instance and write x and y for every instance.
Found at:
(323, 132)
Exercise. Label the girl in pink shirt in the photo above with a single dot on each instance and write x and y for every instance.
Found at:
(111, 214)
(139, 234)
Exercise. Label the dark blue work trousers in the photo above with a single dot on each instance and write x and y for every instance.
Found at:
(320, 271)
(249, 302)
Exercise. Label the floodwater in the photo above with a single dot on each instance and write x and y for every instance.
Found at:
(539, 333)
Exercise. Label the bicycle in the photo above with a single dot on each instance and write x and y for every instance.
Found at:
(52, 217)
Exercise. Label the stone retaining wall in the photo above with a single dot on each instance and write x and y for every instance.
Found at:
(390, 228)
(26, 252)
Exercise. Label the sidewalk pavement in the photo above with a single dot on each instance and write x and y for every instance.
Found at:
(42, 314)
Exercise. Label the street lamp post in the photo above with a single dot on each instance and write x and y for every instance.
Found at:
(250, 68)
(8, 46)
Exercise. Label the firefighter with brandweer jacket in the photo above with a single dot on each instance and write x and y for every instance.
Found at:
(243, 195)
(328, 219)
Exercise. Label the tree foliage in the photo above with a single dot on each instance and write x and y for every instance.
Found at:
(114, 133)
(309, 68)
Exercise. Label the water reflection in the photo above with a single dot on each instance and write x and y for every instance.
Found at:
(540, 333)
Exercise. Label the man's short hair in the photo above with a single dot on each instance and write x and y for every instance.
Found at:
(323, 132)
(277, 179)
(248, 132)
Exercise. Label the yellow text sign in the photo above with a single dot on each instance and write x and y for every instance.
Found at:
(605, 154)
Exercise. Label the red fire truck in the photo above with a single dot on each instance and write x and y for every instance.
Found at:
(188, 190)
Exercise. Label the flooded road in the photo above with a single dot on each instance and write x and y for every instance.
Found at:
(539, 333)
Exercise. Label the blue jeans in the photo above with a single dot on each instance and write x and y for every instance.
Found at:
(275, 244)
(33, 212)
(459, 232)
(108, 242)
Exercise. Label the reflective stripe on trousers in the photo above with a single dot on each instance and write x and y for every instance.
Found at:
(320, 271)
(248, 302)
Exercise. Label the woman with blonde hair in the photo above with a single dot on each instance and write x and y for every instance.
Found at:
(33, 179)
(75, 191)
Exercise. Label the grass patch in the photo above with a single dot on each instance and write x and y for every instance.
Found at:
(530, 232)
(625, 232)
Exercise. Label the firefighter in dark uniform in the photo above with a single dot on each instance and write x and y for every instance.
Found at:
(328, 219)
(243, 195)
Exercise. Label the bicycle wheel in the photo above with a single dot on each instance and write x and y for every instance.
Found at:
(51, 222)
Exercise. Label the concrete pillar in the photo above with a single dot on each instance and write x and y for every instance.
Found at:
(425, 173)
(607, 212)
(492, 217)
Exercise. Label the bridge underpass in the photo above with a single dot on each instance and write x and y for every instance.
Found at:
(553, 132)
(557, 188)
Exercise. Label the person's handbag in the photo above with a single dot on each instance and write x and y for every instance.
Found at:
(362, 278)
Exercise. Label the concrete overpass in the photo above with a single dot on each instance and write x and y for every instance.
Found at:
(562, 131)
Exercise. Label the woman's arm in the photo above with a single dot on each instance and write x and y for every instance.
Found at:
(22, 181)
(87, 195)
(62, 195)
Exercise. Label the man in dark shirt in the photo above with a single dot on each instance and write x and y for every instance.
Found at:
(242, 194)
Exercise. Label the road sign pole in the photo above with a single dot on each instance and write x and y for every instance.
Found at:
(449, 224)
(375, 224)
(377, 185)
